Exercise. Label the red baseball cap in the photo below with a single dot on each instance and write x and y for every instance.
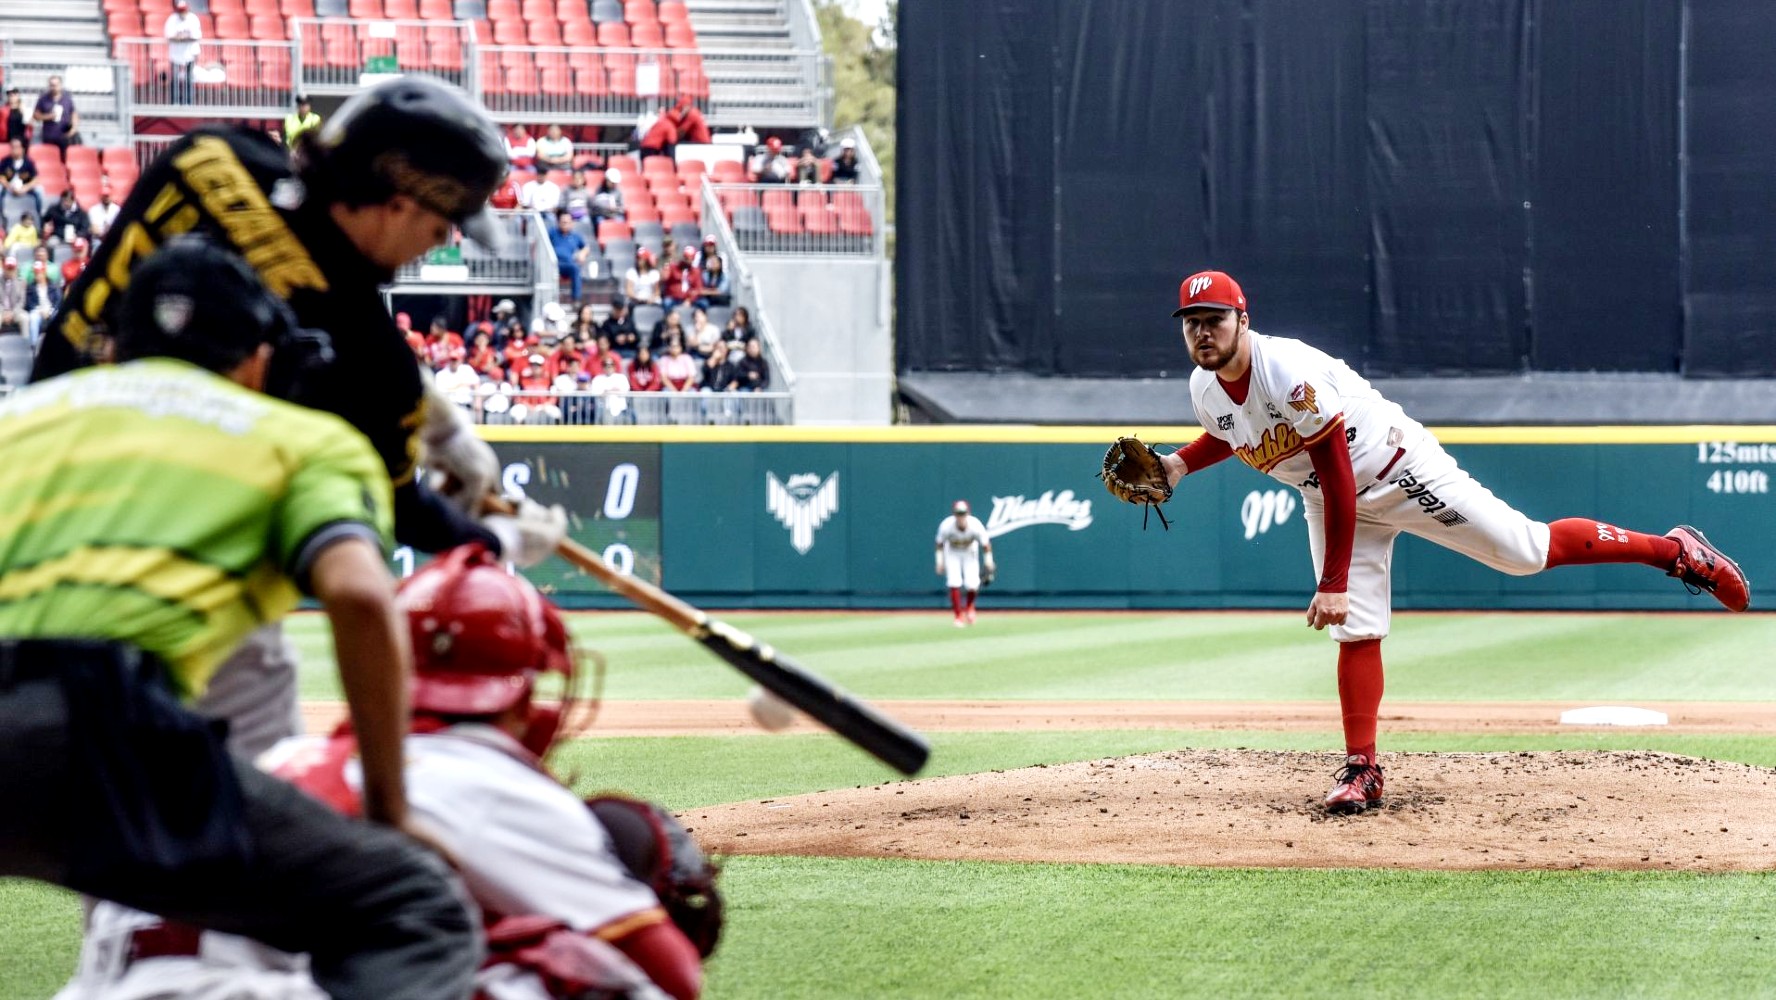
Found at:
(1212, 290)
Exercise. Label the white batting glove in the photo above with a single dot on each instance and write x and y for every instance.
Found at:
(530, 535)
(464, 468)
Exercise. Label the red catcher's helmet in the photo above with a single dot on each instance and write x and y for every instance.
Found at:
(481, 636)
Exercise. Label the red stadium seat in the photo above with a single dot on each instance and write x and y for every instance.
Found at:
(220, 7)
(589, 80)
(786, 223)
(675, 216)
(516, 57)
(410, 51)
(640, 12)
(819, 221)
(622, 77)
(557, 81)
(230, 26)
(113, 156)
(613, 229)
(342, 54)
(42, 153)
(493, 77)
(121, 6)
(509, 33)
(806, 199)
(554, 57)
(83, 157)
(447, 53)
(680, 36)
(629, 165)
(646, 35)
(672, 12)
(401, 10)
(579, 34)
(543, 33)
(296, 8)
(436, 10)
(694, 84)
(642, 212)
(124, 24)
(690, 173)
(854, 218)
(613, 35)
(778, 200)
(274, 67)
(521, 79)
(268, 29)
(659, 165)
(503, 10)
(261, 8)
(366, 9)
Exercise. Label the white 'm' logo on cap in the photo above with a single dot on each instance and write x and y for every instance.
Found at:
(1199, 284)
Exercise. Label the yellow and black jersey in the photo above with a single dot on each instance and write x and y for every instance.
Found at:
(240, 186)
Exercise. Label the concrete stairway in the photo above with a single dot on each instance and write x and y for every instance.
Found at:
(66, 37)
(746, 86)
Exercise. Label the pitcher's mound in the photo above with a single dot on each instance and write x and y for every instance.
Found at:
(1262, 809)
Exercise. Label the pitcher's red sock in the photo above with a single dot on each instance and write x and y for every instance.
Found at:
(956, 600)
(1576, 541)
(971, 599)
(1359, 694)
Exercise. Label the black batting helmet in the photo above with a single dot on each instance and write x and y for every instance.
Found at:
(416, 136)
(195, 300)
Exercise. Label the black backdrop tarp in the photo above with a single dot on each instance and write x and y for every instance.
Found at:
(1481, 186)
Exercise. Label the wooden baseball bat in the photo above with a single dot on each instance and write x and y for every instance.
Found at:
(855, 720)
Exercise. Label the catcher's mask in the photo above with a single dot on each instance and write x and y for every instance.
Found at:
(481, 638)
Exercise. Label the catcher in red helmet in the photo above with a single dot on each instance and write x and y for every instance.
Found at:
(608, 897)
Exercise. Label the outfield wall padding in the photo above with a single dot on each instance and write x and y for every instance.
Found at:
(850, 524)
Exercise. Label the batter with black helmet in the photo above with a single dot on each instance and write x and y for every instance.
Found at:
(158, 510)
(379, 184)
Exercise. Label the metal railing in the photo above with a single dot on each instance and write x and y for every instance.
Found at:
(506, 404)
(804, 34)
(338, 55)
(802, 218)
(149, 147)
(744, 289)
(523, 265)
(570, 85)
(229, 78)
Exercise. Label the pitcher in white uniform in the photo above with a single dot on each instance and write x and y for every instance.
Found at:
(963, 551)
(547, 871)
(1367, 472)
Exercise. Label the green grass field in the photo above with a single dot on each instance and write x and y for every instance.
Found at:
(809, 927)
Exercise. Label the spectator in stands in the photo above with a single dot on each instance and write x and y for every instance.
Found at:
(705, 336)
(845, 166)
(644, 373)
(706, 251)
(683, 281)
(300, 122)
(740, 326)
(42, 298)
(517, 349)
(456, 380)
(183, 32)
(58, 119)
(585, 328)
(567, 349)
(12, 298)
(661, 136)
(102, 214)
(73, 266)
(506, 196)
(619, 326)
(678, 370)
(642, 284)
(415, 339)
(570, 251)
(768, 164)
(807, 167)
(18, 125)
(19, 175)
(670, 329)
(40, 255)
(712, 371)
(751, 373)
(607, 201)
(609, 386)
(570, 382)
(537, 406)
(483, 358)
(552, 322)
(542, 196)
(576, 198)
(554, 151)
(601, 348)
(521, 149)
(23, 237)
(689, 121)
(441, 341)
(65, 221)
(505, 322)
(715, 282)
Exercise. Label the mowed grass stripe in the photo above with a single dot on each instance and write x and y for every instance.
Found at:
(1233, 656)
(913, 929)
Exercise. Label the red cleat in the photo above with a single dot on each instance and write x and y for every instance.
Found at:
(1358, 788)
(1701, 567)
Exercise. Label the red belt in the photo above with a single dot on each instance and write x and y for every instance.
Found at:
(1398, 452)
(164, 940)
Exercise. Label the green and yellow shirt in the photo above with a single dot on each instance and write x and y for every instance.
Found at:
(161, 505)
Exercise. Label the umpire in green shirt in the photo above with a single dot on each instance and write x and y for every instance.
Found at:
(152, 514)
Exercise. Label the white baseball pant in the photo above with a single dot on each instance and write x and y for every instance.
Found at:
(962, 569)
(1426, 494)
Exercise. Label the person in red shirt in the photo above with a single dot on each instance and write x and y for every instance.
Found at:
(691, 125)
(661, 137)
(683, 282)
(644, 375)
(440, 342)
(505, 197)
(538, 405)
(72, 267)
(483, 358)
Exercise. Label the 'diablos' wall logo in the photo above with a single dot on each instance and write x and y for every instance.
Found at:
(802, 503)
